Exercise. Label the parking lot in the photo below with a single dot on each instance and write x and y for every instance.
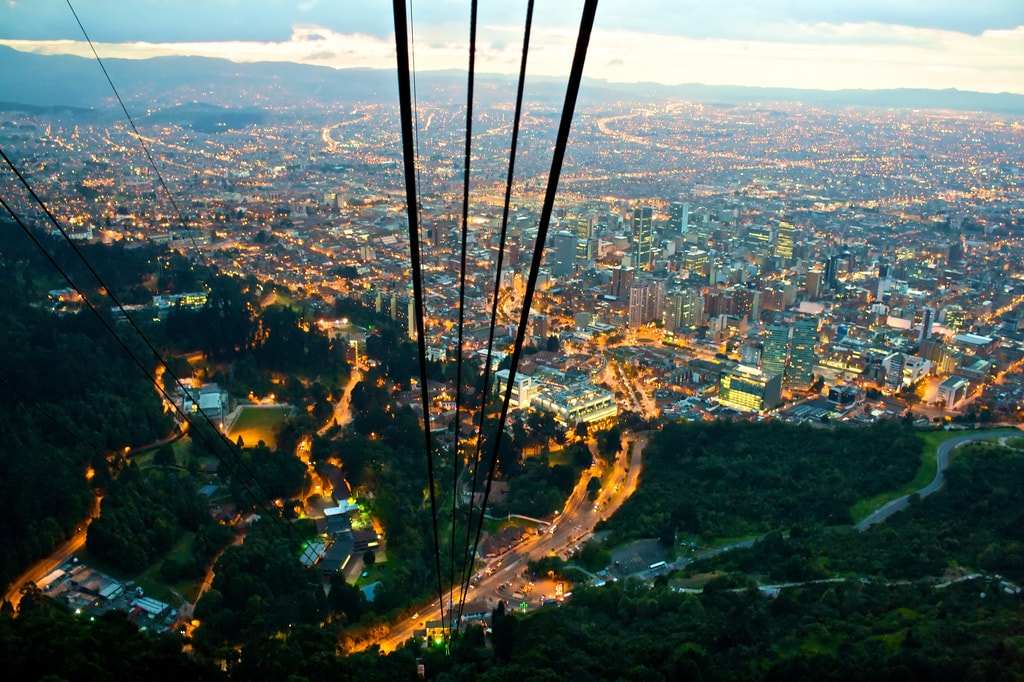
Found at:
(636, 557)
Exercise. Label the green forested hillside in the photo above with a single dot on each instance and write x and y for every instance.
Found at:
(975, 523)
(725, 479)
(68, 396)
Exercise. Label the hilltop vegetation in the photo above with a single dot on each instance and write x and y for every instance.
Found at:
(975, 522)
(70, 396)
(724, 479)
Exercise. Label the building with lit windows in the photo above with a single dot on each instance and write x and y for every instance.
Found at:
(574, 404)
(643, 237)
(802, 358)
(785, 241)
(678, 217)
(561, 256)
(639, 304)
(522, 392)
(549, 390)
(696, 260)
(683, 309)
(748, 389)
(759, 236)
(775, 350)
(953, 390)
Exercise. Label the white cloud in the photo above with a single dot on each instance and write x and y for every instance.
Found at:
(820, 55)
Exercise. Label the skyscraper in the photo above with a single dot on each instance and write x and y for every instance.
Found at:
(894, 365)
(562, 254)
(584, 253)
(678, 217)
(622, 281)
(683, 309)
(776, 350)
(802, 358)
(643, 237)
(812, 284)
(831, 270)
(584, 242)
(656, 300)
(927, 318)
(639, 304)
(785, 241)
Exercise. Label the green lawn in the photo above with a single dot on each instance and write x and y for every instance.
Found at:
(560, 456)
(492, 526)
(258, 423)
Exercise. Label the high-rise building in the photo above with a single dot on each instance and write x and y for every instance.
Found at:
(584, 253)
(622, 281)
(562, 254)
(683, 309)
(831, 270)
(410, 315)
(585, 246)
(643, 237)
(719, 302)
(894, 365)
(656, 300)
(639, 304)
(776, 350)
(785, 241)
(748, 303)
(802, 357)
(812, 284)
(585, 227)
(759, 236)
(678, 217)
(697, 260)
(927, 318)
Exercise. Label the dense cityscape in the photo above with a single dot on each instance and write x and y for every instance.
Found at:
(760, 330)
(895, 232)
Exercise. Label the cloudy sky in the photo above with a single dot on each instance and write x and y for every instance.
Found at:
(966, 44)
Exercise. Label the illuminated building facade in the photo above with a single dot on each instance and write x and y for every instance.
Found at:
(749, 389)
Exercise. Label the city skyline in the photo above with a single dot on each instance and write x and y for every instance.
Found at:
(792, 44)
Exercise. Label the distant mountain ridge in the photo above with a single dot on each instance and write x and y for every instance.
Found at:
(63, 81)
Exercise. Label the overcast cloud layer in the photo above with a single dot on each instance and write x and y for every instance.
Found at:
(976, 45)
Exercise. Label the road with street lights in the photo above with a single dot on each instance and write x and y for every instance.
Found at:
(572, 526)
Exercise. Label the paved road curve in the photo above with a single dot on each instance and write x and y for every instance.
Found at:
(572, 526)
(942, 460)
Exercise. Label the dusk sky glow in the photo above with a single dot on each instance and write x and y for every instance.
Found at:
(775, 43)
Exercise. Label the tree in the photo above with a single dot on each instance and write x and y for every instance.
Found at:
(164, 455)
(369, 558)
(503, 632)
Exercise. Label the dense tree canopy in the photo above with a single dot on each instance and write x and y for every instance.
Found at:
(722, 479)
(974, 523)
(71, 395)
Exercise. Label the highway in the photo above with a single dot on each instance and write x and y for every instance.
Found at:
(572, 526)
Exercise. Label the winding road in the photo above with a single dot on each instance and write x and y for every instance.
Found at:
(942, 463)
(572, 526)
